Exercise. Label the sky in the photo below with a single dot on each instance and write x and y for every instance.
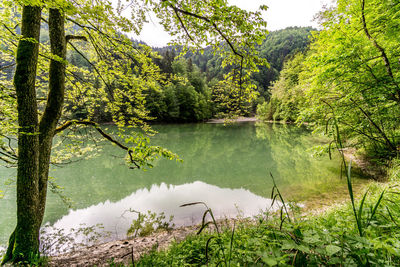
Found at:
(280, 14)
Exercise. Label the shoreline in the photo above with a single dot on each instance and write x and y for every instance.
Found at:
(239, 119)
(123, 251)
(130, 250)
(364, 166)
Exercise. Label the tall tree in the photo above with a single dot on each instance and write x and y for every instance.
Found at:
(118, 83)
(24, 241)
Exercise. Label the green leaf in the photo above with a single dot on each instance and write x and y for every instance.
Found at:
(289, 244)
(332, 249)
(269, 260)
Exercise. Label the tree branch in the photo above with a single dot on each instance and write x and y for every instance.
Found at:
(176, 9)
(215, 26)
(95, 68)
(75, 37)
(8, 155)
(104, 134)
(390, 144)
(7, 161)
(9, 30)
(8, 66)
(380, 48)
(183, 25)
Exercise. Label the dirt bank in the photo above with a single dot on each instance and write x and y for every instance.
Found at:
(363, 165)
(121, 251)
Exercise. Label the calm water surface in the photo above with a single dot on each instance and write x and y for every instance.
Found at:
(228, 167)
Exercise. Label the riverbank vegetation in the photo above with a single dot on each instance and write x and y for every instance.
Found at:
(365, 233)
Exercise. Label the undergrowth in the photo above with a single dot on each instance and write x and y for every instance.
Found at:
(365, 232)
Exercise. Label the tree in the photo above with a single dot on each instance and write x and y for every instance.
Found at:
(287, 95)
(118, 73)
(354, 74)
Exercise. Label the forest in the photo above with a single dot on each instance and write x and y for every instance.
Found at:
(193, 93)
(348, 78)
(72, 80)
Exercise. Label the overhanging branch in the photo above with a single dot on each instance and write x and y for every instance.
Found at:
(217, 29)
(75, 37)
(379, 47)
(213, 24)
(183, 25)
(104, 134)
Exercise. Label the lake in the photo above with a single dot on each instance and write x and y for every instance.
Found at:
(227, 167)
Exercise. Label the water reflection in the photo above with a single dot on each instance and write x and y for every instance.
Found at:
(224, 202)
(232, 156)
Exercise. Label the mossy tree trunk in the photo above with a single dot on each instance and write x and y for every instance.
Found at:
(55, 100)
(24, 243)
(34, 137)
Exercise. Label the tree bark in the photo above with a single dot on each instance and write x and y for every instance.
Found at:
(24, 243)
(55, 100)
(35, 138)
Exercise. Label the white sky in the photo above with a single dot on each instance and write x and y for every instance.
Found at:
(280, 14)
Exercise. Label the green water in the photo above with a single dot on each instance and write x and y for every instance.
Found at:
(223, 165)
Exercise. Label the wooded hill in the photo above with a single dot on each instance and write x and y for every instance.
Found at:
(193, 94)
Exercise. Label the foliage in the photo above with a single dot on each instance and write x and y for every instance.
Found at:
(350, 74)
(278, 47)
(231, 102)
(393, 171)
(146, 224)
(287, 95)
(185, 99)
(59, 190)
(327, 239)
(354, 74)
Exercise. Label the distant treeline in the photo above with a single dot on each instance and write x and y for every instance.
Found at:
(191, 93)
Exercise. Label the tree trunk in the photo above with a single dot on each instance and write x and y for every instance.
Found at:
(35, 139)
(24, 243)
(55, 100)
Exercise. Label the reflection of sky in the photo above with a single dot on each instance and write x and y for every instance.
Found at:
(114, 217)
(233, 156)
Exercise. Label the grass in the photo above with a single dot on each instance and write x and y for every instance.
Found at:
(364, 232)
